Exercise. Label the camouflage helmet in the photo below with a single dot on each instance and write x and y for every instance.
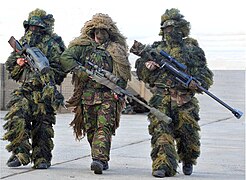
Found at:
(173, 17)
(38, 17)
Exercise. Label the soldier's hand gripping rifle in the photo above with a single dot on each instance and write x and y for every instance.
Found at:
(37, 61)
(177, 70)
(34, 57)
(109, 80)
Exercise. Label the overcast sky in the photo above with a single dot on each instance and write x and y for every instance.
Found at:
(140, 20)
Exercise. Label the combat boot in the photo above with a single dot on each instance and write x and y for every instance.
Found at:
(105, 165)
(97, 166)
(187, 168)
(159, 173)
(43, 165)
(13, 162)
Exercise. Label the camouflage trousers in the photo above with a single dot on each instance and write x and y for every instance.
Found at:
(178, 141)
(29, 131)
(100, 124)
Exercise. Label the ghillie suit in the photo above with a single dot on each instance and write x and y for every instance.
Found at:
(97, 109)
(180, 140)
(34, 104)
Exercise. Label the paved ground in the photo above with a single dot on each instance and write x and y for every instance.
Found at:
(222, 137)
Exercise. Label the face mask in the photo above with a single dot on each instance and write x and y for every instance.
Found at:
(34, 36)
(172, 35)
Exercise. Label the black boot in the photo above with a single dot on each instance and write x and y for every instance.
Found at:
(187, 168)
(43, 165)
(13, 162)
(105, 165)
(97, 166)
(159, 173)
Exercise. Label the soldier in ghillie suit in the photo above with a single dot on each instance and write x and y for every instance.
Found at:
(34, 104)
(178, 141)
(97, 109)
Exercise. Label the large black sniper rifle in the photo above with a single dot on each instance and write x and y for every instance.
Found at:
(177, 69)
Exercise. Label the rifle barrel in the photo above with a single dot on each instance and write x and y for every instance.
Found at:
(156, 112)
(235, 112)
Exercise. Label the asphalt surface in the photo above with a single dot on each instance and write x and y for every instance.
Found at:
(222, 143)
